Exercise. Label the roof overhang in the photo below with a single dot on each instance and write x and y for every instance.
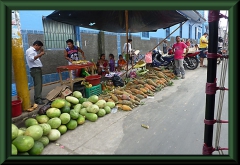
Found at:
(193, 15)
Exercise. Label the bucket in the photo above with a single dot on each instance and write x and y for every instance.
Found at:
(93, 79)
(16, 108)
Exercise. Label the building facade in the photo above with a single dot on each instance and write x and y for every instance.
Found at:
(94, 42)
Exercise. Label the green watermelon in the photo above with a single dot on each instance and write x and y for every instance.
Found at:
(23, 143)
(37, 148)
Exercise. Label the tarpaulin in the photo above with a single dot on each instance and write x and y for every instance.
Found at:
(114, 20)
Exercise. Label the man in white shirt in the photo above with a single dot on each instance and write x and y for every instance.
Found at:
(126, 52)
(35, 65)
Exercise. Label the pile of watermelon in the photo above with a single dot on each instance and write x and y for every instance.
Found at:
(64, 114)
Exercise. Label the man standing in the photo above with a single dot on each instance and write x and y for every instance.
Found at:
(35, 65)
(178, 49)
(202, 47)
(126, 52)
(165, 47)
(71, 54)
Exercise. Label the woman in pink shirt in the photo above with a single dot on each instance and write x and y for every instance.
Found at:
(178, 49)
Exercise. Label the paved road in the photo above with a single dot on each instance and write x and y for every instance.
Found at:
(175, 118)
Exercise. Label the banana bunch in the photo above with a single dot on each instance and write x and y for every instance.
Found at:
(86, 84)
(140, 64)
(80, 62)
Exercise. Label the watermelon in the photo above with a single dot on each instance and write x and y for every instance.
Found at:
(53, 112)
(65, 109)
(72, 99)
(23, 143)
(14, 131)
(80, 119)
(101, 113)
(31, 121)
(77, 94)
(44, 140)
(81, 100)
(54, 135)
(65, 118)
(93, 98)
(46, 128)
(58, 103)
(37, 148)
(72, 124)
(62, 129)
(35, 131)
(107, 109)
(42, 119)
(74, 114)
(14, 150)
(54, 122)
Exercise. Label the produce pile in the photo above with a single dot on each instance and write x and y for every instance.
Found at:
(74, 110)
(49, 125)
(130, 96)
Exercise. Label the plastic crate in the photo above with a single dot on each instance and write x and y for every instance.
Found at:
(78, 87)
(94, 90)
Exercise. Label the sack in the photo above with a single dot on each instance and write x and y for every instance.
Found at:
(117, 81)
(43, 109)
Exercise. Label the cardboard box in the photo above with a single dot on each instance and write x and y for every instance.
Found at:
(60, 91)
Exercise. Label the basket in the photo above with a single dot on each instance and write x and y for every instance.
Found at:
(95, 90)
(93, 79)
(16, 107)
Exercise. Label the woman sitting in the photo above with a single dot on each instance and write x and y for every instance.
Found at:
(121, 63)
(102, 65)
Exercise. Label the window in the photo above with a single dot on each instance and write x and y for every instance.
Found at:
(180, 31)
(190, 32)
(196, 32)
(56, 34)
(199, 35)
(145, 35)
(168, 32)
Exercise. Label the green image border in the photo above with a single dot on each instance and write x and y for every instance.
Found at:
(5, 74)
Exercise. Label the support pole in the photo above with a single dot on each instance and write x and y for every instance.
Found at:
(128, 56)
(213, 19)
(18, 62)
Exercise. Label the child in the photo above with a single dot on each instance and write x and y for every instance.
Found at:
(102, 65)
(121, 63)
(111, 63)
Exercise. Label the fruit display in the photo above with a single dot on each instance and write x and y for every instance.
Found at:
(75, 110)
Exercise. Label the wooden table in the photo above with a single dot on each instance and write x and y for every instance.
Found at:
(69, 68)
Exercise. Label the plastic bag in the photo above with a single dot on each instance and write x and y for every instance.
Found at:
(117, 81)
(133, 74)
(148, 57)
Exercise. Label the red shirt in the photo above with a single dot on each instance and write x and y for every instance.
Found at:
(178, 50)
(188, 43)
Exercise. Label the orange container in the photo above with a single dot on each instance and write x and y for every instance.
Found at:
(16, 108)
(93, 79)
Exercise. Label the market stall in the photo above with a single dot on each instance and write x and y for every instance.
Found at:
(69, 68)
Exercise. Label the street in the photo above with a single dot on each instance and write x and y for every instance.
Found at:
(175, 117)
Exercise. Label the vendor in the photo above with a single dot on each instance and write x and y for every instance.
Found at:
(102, 65)
(121, 63)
